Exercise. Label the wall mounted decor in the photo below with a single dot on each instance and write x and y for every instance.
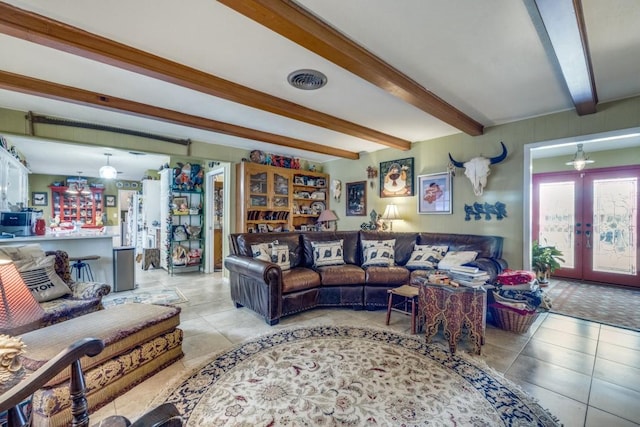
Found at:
(356, 198)
(39, 198)
(434, 193)
(396, 178)
(479, 211)
(110, 200)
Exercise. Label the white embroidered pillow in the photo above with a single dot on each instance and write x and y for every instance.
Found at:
(455, 258)
(378, 252)
(40, 276)
(426, 257)
(328, 253)
(280, 256)
(272, 252)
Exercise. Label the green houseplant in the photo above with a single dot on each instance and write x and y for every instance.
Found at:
(545, 260)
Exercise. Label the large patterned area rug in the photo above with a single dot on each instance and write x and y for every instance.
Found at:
(610, 305)
(331, 375)
(170, 295)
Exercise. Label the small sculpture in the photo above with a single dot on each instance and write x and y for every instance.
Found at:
(11, 371)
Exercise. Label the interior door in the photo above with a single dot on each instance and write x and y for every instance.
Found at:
(592, 217)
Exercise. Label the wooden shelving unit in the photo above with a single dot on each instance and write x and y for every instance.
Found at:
(273, 199)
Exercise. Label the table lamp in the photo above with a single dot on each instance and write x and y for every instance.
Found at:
(390, 213)
(326, 216)
(19, 310)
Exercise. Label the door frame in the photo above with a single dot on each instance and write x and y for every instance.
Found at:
(224, 170)
(527, 188)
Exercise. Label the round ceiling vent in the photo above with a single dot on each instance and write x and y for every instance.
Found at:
(307, 79)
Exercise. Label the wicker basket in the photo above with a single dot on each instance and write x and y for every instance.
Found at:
(512, 321)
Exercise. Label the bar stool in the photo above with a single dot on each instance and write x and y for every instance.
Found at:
(410, 298)
(82, 267)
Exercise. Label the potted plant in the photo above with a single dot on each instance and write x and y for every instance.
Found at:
(544, 261)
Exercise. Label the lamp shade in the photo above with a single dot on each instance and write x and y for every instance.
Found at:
(391, 212)
(327, 215)
(19, 310)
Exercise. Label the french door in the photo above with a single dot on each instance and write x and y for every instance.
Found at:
(592, 217)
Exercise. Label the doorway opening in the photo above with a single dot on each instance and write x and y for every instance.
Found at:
(217, 217)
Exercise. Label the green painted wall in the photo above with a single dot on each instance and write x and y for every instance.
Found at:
(505, 183)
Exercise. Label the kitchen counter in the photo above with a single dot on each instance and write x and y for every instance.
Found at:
(77, 244)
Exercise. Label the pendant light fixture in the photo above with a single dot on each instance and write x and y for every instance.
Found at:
(580, 159)
(107, 171)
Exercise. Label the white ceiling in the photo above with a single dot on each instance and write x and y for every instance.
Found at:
(485, 58)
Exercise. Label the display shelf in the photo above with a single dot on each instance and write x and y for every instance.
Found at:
(81, 207)
(277, 199)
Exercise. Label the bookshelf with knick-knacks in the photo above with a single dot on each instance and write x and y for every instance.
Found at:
(182, 232)
(274, 199)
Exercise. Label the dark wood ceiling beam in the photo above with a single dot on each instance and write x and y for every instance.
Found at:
(31, 86)
(48, 32)
(564, 23)
(298, 25)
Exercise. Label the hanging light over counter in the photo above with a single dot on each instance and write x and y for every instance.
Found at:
(107, 171)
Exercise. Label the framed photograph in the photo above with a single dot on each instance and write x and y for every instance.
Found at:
(356, 198)
(434, 193)
(110, 200)
(396, 178)
(39, 198)
(299, 180)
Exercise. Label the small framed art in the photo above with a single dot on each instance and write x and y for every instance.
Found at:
(396, 178)
(357, 198)
(39, 199)
(434, 193)
(110, 200)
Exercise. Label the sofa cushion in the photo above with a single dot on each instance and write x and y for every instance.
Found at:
(454, 258)
(299, 278)
(40, 277)
(20, 252)
(350, 246)
(328, 253)
(378, 252)
(387, 276)
(272, 252)
(346, 274)
(426, 257)
(121, 327)
(404, 243)
(243, 242)
(486, 246)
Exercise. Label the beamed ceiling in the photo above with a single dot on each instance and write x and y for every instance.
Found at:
(398, 72)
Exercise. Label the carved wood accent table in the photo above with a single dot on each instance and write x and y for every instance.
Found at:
(455, 309)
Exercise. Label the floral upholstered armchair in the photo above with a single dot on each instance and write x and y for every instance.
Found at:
(85, 297)
(48, 276)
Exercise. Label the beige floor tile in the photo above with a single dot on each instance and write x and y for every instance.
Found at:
(616, 400)
(573, 413)
(598, 418)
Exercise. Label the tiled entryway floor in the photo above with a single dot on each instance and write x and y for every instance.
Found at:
(585, 373)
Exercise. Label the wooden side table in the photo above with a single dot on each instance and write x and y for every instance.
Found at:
(454, 308)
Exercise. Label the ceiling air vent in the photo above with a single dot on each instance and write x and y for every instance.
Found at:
(307, 79)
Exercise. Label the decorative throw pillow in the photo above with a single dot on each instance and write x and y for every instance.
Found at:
(426, 257)
(272, 252)
(280, 256)
(15, 253)
(454, 258)
(378, 252)
(40, 277)
(328, 253)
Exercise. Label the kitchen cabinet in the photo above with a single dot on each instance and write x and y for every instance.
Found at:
(84, 205)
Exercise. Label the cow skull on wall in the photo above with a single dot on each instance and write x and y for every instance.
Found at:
(477, 169)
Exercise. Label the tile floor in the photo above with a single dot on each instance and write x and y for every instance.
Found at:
(585, 373)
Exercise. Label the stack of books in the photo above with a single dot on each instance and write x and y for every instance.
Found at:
(468, 276)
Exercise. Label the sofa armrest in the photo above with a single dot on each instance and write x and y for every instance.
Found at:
(88, 290)
(257, 285)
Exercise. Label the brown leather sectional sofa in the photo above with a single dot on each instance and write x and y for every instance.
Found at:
(263, 287)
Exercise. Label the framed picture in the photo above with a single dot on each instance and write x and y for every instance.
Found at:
(39, 198)
(356, 198)
(434, 193)
(110, 200)
(299, 180)
(396, 178)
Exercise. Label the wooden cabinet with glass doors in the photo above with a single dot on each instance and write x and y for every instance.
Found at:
(267, 198)
(84, 206)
